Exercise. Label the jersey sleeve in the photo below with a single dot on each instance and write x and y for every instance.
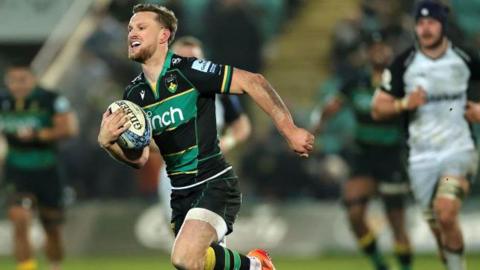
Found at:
(392, 77)
(392, 80)
(208, 77)
(232, 108)
(474, 66)
(61, 104)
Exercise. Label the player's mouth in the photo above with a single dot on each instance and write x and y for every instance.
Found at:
(135, 44)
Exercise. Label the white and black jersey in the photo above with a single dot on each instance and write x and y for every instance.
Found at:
(439, 126)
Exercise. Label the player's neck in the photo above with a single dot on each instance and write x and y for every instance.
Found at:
(437, 51)
(154, 65)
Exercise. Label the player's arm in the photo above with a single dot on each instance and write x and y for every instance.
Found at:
(236, 132)
(333, 106)
(385, 105)
(65, 125)
(237, 123)
(390, 98)
(112, 126)
(262, 92)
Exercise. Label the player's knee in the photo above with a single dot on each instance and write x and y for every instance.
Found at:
(446, 216)
(20, 217)
(356, 209)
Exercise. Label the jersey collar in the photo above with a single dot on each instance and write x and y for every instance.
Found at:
(166, 65)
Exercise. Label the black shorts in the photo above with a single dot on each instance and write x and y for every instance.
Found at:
(382, 163)
(221, 195)
(43, 186)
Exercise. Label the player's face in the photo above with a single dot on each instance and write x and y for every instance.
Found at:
(188, 51)
(145, 34)
(20, 81)
(429, 32)
(380, 55)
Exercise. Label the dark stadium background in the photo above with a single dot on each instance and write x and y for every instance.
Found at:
(304, 47)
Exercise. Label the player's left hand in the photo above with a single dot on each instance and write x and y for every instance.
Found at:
(472, 112)
(300, 141)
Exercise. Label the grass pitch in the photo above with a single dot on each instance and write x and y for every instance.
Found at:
(160, 262)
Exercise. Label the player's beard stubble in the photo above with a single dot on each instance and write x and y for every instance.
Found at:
(430, 45)
(142, 55)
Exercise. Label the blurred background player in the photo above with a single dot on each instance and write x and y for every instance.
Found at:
(205, 198)
(377, 165)
(233, 124)
(33, 120)
(429, 84)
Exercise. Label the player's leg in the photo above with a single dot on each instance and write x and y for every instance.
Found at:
(446, 205)
(22, 202)
(357, 191)
(52, 220)
(216, 205)
(20, 214)
(394, 189)
(395, 207)
(423, 180)
(453, 185)
(51, 211)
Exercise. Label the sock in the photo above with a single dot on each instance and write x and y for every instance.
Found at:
(29, 264)
(455, 259)
(220, 258)
(404, 256)
(368, 243)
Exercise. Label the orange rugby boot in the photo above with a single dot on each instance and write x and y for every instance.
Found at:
(263, 257)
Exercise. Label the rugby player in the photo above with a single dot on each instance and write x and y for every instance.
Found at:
(232, 123)
(372, 171)
(429, 84)
(33, 119)
(178, 94)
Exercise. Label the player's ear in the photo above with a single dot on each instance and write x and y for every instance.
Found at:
(164, 35)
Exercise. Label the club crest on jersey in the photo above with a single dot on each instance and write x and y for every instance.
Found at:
(171, 83)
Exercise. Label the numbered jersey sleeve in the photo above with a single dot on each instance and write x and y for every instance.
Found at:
(208, 77)
(392, 77)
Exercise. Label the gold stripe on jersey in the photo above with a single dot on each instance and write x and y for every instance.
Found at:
(226, 77)
(167, 99)
(180, 152)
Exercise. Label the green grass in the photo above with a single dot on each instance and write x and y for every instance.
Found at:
(336, 262)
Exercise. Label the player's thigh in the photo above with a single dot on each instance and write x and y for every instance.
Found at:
(221, 197)
(458, 170)
(450, 193)
(20, 216)
(193, 239)
(21, 195)
(423, 182)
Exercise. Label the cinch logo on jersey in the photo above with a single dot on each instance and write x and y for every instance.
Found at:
(133, 118)
(167, 118)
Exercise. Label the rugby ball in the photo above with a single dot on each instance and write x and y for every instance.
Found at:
(139, 134)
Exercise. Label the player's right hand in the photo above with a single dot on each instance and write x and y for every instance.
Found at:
(300, 141)
(416, 99)
(112, 126)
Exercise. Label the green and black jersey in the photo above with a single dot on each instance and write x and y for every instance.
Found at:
(34, 112)
(181, 110)
(358, 92)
